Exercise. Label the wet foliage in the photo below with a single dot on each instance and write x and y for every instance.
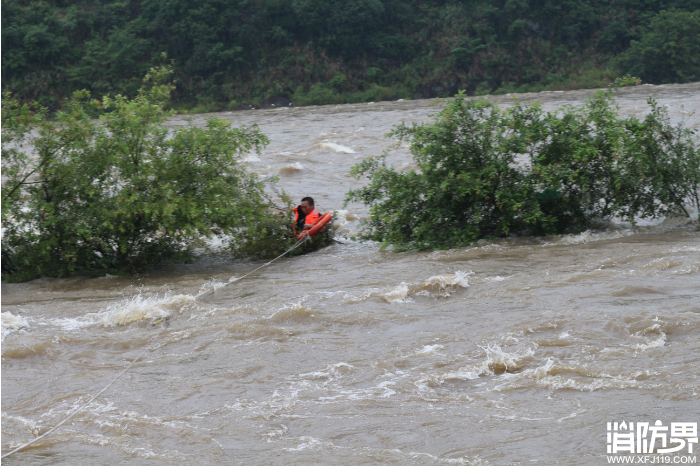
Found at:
(485, 171)
(122, 193)
(273, 235)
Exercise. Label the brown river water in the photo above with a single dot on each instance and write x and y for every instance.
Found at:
(516, 351)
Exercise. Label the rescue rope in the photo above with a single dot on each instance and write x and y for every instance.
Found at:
(197, 298)
(77, 410)
(235, 279)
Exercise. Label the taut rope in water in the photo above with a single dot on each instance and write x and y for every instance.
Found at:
(235, 279)
(197, 298)
(46, 434)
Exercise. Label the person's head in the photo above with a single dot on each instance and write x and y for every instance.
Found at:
(307, 205)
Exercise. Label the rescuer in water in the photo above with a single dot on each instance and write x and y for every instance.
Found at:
(305, 215)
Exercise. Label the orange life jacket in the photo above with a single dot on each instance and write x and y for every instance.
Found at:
(311, 218)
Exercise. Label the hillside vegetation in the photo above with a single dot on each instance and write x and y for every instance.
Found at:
(235, 53)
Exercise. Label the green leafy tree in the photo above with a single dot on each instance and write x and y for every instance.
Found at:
(485, 171)
(601, 166)
(662, 161)
(668, 50)
(467, 185)
(121, 194)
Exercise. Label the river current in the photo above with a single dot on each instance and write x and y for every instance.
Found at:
(516, 351)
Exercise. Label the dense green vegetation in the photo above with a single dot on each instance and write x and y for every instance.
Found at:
(485, 172)
(232, 53)
(121, 194)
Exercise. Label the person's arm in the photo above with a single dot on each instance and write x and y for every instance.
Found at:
(308, 226)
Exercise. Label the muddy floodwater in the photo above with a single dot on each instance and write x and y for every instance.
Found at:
(516, 351)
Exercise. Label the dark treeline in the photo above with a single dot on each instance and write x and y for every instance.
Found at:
(231, 53)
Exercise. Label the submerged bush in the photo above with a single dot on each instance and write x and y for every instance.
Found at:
(120, 194)
(484, 171)
(273, 236)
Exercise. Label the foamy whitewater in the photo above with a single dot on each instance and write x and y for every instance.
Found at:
(515, 351)
(12, 322)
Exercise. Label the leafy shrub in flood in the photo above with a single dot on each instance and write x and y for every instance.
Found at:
(121, 194)
(273, 235)
(484, 171)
